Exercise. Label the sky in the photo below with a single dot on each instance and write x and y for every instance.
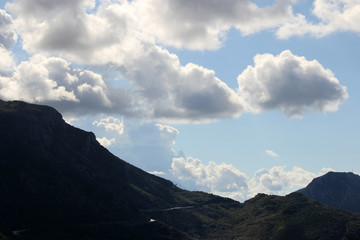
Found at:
(232, 97)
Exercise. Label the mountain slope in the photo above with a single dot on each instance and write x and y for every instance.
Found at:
(340, 190)
(51, 172)
(57, 182)
(266, 217)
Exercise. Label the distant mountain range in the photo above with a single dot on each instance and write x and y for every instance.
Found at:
(340, 190)
(57, 182)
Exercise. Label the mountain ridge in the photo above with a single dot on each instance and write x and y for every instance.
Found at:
(49, 146)
(336, 189)
(57, 182)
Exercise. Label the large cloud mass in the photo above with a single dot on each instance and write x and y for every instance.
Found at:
(109, 37)
(291, 84)
(121, 36)
(181, 93)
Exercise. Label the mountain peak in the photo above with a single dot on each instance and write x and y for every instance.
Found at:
(336, 189)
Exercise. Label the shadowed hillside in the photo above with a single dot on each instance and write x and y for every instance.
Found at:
(52, 173)
(340, 190)
(58, 182)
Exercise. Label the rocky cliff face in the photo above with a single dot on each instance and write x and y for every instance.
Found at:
(340, 190)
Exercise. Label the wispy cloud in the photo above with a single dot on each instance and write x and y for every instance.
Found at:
(106, 142)
(157, 173)
(271, 153)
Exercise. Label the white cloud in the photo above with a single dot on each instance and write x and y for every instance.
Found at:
(7, 39)
(167, 132)
(203, 24)
(333, 16)
(157, 173)
(74, 29)
(31, 82)
(77, 29)
(111, 124)
(278, 180)
(55, 82)
(52, 24)
(162, 88)
(290, 83)
(222, 178)
(7, 30)
(7, 62)
(271, 153)
(226, 180)
(175, 93)
(106, 142)
(327, 169)
(119, 36)
(168, 129)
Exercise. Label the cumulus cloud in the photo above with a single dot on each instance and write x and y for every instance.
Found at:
(55, 82)
(110, 37)
(111, 124)
(290, 83)
(278, 180)
(52, 24)
(119, 36)
(31, 82)
(76, 30)
(217, 178)
(79, 29)
(226, 180)
(271, 153)
(333, 16)
(175, 93)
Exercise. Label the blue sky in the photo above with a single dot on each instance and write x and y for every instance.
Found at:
(229, 97)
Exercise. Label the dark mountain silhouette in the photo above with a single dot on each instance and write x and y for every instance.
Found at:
(53, 173)
(340, 190)
(57, 182)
